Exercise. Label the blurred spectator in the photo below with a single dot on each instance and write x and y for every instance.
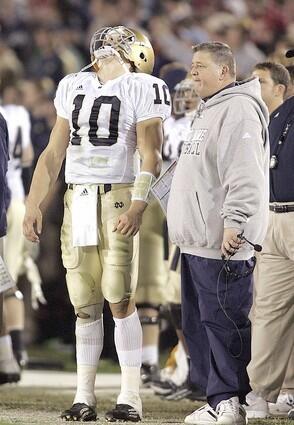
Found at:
(172, 47)
(64, 41)
(106, 13)
(45, 61)
(278, 54)
(10, 66)
(290, 91)
(226, 28)
(36, 101)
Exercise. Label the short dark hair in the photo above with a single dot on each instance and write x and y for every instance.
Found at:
(290, 69)
(279, 74)
(220, 52)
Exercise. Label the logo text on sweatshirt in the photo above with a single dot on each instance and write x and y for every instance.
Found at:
(192, 147)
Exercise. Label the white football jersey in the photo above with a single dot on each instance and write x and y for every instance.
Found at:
(19, 132)
(175, 133)
(103, 120)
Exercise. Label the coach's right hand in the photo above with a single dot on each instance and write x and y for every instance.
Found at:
(32, 223)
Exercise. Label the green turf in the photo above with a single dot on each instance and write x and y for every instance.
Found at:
(63, 356)
(37, 407)
(53, 350)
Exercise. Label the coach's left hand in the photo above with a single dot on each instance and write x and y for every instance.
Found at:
(129, 222)
(231, 242)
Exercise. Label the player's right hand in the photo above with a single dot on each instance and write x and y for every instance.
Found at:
(32, 223)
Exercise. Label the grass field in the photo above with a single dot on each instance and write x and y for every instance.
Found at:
(42, 406)
(25, 406)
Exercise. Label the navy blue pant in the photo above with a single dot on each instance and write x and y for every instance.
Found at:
(218, 341)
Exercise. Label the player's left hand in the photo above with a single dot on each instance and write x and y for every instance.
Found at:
(231, 242)
(32, 223)
(128, 223)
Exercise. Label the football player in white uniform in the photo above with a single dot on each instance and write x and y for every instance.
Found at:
(21, 155)
(16, 247)
(152, 279)
(103, 117)
(9, 369)
(176, 128)
(153, 270)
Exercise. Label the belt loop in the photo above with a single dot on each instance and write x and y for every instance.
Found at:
(107, 187)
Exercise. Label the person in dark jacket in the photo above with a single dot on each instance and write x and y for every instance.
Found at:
(271, 366)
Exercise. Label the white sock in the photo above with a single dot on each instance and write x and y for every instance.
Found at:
(128, 342)
(8, 363)
(129, 392)
(89, 343)
(6, 352)
(150, 354)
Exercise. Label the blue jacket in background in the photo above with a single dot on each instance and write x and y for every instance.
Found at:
(4, 191)
(281, 177)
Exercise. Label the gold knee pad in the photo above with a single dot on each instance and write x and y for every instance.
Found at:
(108, 270)
(152, 277)
(89, 313)
(82, 289)
(119, 253)
(119, 279)
(83, 264)
(116, 283)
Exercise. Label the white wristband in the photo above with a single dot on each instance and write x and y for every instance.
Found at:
(142, 186)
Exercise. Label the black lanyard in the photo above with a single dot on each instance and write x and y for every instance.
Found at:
(274, 160)
(283, 137)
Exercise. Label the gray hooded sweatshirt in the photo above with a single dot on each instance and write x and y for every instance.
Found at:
(222, 178)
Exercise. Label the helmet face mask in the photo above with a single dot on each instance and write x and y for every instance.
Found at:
(185, 98)
(132, 46)
(119, 38)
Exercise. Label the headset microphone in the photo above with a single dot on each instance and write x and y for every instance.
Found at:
(256, 247)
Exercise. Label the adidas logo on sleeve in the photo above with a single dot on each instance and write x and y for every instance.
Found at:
(246, 136)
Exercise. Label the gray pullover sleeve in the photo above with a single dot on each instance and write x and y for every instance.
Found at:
(241, 165)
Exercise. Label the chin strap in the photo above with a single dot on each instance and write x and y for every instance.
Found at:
(104, 53)
(89, 66)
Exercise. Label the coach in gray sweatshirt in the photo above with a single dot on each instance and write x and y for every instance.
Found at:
(219, 190)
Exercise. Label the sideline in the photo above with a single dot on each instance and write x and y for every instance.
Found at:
(57, 379)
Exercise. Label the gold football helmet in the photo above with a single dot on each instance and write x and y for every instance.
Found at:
(131, 44)
(185, 98)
